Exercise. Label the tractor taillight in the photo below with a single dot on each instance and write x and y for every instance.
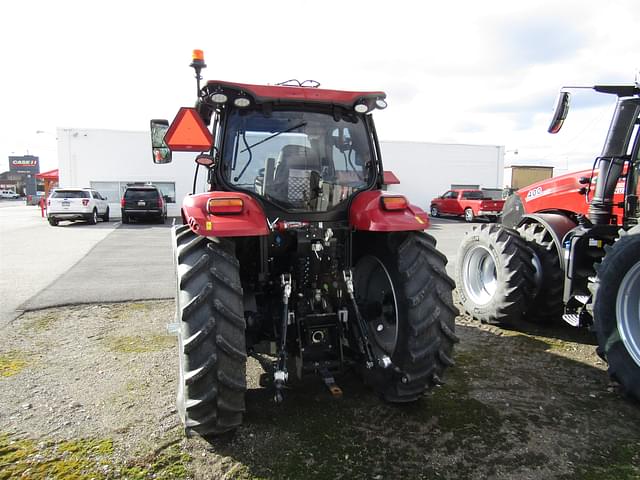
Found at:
(394, 203)
(225, 206)
(85, 202)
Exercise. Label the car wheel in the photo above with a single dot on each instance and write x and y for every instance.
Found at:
(105, 217)
(468, 215)
(93, 219)
(125, 217)
(434, 211)
(53, 221)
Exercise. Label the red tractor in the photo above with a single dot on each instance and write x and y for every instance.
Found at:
(570, 246)
(295, 255)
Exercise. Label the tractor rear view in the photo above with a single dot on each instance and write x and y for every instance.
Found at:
(295, 255)
(570, 246)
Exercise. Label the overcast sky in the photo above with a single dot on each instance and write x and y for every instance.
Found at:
(479, 72)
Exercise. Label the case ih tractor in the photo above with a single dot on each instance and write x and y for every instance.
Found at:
(296, 255)
(570, 247)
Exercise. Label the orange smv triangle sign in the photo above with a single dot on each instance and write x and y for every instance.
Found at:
(188, 133)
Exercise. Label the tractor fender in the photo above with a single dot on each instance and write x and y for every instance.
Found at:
(557, 224)
(248, 223)
(366, 213)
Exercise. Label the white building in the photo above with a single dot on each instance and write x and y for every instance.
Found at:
(108, 160)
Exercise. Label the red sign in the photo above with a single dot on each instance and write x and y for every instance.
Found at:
(188, 133)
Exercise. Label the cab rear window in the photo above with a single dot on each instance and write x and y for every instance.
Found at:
(146, 194)
(70, 194)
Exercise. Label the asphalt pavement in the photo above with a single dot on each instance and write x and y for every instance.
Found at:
(43, 266)
(134, 262)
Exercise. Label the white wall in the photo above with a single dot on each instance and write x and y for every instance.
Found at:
(88, 155)
(426, 170)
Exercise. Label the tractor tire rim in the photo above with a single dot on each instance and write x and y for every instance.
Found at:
(373, 284)
(479, 275)
(537, 272)
(628, 312)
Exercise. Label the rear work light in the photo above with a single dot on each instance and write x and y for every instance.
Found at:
(225, 206)
(394, 203)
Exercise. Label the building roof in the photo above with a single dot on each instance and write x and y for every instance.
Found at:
(50, 175)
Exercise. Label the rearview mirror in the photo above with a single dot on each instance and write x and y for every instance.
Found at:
(159, 149)
(560, 112)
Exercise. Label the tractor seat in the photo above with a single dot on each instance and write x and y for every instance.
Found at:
(292, 178)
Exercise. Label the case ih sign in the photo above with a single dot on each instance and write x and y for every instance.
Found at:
(24, 164)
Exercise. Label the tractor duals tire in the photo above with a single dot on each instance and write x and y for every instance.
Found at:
(616, 310)
(547, 304)
(495, 275)
(420, 301)
(211, 336)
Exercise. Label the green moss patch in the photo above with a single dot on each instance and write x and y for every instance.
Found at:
(84, 459)
(11, 363)
(620, 462)
(139, 344)
(42, 320)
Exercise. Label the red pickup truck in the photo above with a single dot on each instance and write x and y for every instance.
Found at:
(470, 203)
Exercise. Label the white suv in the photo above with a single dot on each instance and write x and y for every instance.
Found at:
(76, 204)
(8, 194)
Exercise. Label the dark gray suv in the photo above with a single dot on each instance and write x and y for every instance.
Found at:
(143, 202)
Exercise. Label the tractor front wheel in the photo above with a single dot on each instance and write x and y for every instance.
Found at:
(616, 310)
(495, 274)
(211, 338)
(404, 294)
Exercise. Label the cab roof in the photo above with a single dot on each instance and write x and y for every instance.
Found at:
(287, 93)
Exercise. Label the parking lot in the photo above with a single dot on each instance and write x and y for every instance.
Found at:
(88, 388)
(74, 263)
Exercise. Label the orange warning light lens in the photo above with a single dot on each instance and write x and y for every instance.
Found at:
(197, 55)
(394, 203)
(222, 206)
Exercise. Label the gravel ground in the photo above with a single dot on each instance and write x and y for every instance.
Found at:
(88, 392)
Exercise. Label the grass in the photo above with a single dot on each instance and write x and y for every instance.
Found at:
(139, 344)
(11, 363)
(85, 459)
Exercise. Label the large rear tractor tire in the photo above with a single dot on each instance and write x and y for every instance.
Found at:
(547, 304)
(211, 338)
(495, 274)
(616, 310)
(414, 321)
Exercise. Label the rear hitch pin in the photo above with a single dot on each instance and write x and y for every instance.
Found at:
(330, 382)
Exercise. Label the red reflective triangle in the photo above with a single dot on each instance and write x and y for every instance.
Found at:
(188, 133)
